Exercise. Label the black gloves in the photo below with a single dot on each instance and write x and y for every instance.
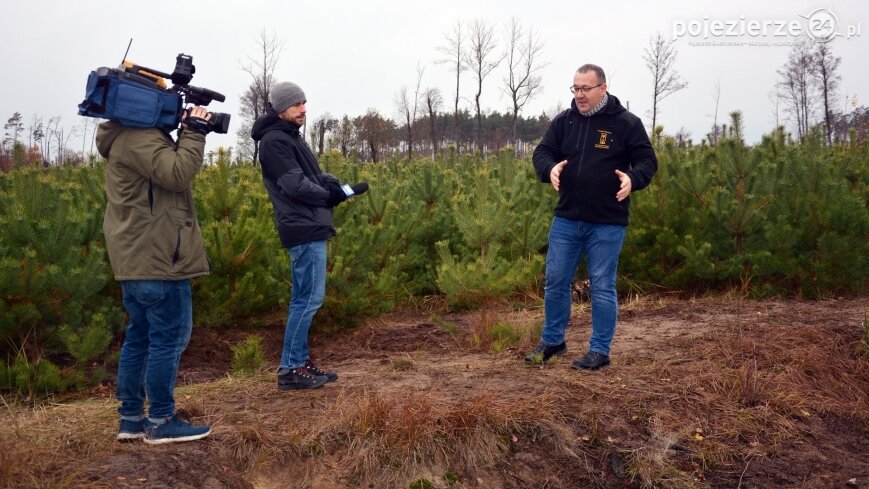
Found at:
(336, 194)
(198, 124)
(339, 193)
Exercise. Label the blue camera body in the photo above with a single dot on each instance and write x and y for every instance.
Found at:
(130, 99)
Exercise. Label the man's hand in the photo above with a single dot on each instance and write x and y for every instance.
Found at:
(197, 121)
(625, 187)
(555, 174)
(336, 194)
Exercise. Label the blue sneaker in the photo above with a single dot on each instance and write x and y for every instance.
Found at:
(131, 430)
(174, 430)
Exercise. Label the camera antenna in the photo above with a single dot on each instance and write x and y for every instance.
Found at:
(127, 52)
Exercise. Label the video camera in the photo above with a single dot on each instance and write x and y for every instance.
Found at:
(138, 97)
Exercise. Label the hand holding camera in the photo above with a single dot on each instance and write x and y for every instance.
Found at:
(197, 119)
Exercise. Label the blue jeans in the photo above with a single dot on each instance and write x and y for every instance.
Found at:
(569, 241)
(161, 320)
(308, 265)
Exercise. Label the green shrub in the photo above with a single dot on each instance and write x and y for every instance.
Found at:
(448, 326)
(39, 377)
(503, 336)
(248, 356)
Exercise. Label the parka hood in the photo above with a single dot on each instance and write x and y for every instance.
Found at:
(107, 132)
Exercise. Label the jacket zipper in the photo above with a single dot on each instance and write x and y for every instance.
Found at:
(580, 141)
(177, 254)
(151, 196)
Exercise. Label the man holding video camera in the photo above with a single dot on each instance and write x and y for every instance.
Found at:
(303, 197)
(155, 247)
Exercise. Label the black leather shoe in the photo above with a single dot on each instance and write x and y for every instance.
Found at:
(543, 353)
(314, 369)
(300, 378)
(592, 361)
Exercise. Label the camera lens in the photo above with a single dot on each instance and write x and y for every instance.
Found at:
(219, 122)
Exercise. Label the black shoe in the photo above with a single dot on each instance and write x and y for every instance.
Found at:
(592, 361)
(300, 378)
(543, 353)
(314, 369)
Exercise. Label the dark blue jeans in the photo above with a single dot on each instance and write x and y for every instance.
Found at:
(161, 320)
(569, 241)
(308, 265)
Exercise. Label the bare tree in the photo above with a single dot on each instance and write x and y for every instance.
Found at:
(402, 105)
(716, 129)
(683, 138)
(775, 99)
(795, 87)
(59, 139)
(344, 134)
(262, 72)
(250, 105)
(36, 133)
(523, 62)
(433, 101)
(408, 107)
(481, 60)
(51, 129)
(374, 131)
(13, 128)
(454, 52)
(321, 126)
(87, 124)
(824, 69)
(660, 59)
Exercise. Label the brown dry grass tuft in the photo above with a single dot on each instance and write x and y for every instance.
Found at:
(387, 437)
(495, 330)
(39, 447)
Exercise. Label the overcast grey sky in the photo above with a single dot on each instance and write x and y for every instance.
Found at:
(351, 55)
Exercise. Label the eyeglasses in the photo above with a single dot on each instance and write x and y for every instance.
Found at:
(585, 90)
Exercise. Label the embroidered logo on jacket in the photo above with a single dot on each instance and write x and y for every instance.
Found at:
(602, 142)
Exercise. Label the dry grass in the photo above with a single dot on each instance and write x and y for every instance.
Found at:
(383, 438)
(497, 330)
(711, 401)
(403, 363)
(366, 430)
(747, 391)
(38, 446)
(387, 437)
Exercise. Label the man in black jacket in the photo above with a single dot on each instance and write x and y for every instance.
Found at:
(594, 154)
(302, 196)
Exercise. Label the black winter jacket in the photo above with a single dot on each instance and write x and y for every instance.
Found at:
(294, 182)
(595, 147)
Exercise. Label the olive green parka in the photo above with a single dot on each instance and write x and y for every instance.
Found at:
(150, 223)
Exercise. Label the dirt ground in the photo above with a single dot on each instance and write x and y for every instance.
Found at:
(710, 392)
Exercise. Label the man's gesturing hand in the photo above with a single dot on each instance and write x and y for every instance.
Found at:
(555, 174)
(625, 187)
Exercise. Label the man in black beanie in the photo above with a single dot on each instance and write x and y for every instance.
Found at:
(303, 197)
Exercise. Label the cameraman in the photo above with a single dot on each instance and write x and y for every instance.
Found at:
(303, 197)
(155, 248)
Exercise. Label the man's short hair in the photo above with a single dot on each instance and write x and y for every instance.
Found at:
(601, 76)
